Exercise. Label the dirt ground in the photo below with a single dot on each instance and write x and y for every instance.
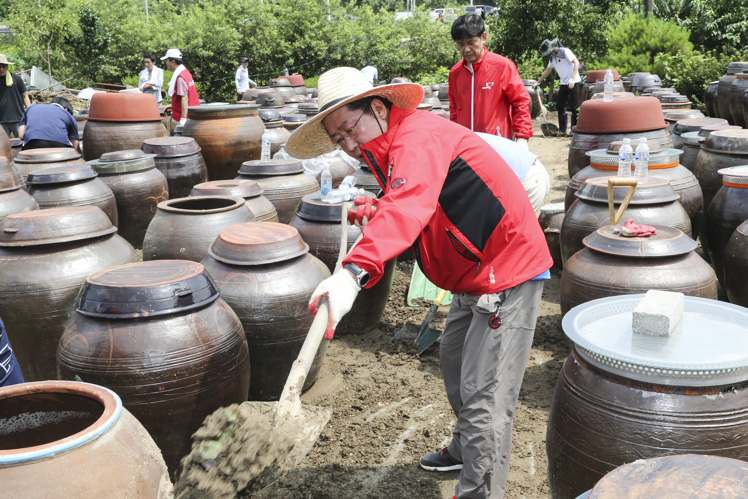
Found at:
(390, 408)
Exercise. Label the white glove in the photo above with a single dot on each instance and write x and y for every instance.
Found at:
(523, 143)
(341, 290)
(571, 85)
(183, 121)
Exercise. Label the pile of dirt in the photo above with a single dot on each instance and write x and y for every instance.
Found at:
(44, 97)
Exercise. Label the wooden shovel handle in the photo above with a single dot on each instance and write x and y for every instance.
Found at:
(440, 296)
(615, 217)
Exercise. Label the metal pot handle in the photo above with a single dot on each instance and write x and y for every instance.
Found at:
(615, 217)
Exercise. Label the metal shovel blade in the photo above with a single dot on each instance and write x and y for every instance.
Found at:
(407, 330)
(426, 338)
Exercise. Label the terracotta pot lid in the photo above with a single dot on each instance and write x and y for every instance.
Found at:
(732, 142)
(312, 208)
(126, 161)
(673, 115)
(735, 176)
(295, 118)
(242, 188)
(146, 289)
(61, 175)
(295, 79)
(280, 82)
(123, 107)
(707, 129)
(599, 74)
(201, 205)
(269, 114)
(51, 155)
(654, 146)
(667, 242)
(662, 158)
(737, 67)
(695, 124)
(170, 147)
(620, 116)
(270, 100)
(257, 243)
(656, 190)
(693, 138)
(603, 335)
(222, 111)
(8, 180)
(54, 225)
(271, 167)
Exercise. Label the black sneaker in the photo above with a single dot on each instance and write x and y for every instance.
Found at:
(440, 461)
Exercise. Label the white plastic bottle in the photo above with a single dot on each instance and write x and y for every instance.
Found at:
(642, 161)
(608, 86)
(325, 181)
(625, 158)
(266, 143)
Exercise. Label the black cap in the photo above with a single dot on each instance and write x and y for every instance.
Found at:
(244, 59)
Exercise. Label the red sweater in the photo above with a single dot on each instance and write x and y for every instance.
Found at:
(451, 196)
(490, 97)
(192, 98)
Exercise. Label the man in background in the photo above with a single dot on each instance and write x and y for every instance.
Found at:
(13, 98)
(242, 79)
(49, 125)
(371, 73)
(567, 67)
(181, 86)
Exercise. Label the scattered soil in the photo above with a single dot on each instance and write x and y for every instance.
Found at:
(390, 408)
(43, 97)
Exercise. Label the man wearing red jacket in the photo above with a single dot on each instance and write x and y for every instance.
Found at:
(486, 93)
(455, 201)
(181, 86)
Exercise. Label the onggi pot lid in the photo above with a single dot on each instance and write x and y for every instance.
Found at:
(54, 225)
(312, 208)
(656, 190)
(707, 129)
(709, 347)
(271, 167)
(736, 176)
(667, 242)
(146, 289)
(607, 159)
(61, 174)
(222, 111)
(51, 155)
(127, 161)
(693, 138)
(695, 124)
(732, 142)
(171, 147)
(242, 188)
(257, 243)
(620, 116)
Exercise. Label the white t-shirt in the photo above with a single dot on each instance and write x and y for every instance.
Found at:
(564, 67)
(371, 73)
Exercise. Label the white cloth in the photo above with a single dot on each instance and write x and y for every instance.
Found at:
(242, 80)
(371, 73)
(518, 158)
(173, 81)
(156, 77)
(562, 61)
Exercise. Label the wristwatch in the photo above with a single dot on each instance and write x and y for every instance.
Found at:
(362, 276)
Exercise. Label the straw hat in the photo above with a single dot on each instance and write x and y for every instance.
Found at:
(338, 87)
(4, 60)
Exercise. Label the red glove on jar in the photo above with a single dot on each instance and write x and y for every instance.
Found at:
(367, 208)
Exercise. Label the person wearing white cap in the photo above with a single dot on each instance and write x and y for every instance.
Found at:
(242, 79)
(181, 86)
(452, 198)
(13, 98)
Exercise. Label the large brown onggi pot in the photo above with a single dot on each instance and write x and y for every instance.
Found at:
(196, 358)
(69, 439)
(736, 266)
(723, 92)
(249, 190)
(737, 91)
(45, 256)
(283, 182)
(119, 121)
(550, 219)
(319, 224)
(43, 159)
(138, 187)
(722, 149)
(179, 159)
(228, 135)
(673, 116)
(266, 274)
(13, 199)
(184, 228)
(653, 203)
(601, 123)
(72, 185)
(691, 125)
(710, 99)
(612, 265)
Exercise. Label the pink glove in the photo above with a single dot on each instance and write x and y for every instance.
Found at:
(367, 208)
(630, 229)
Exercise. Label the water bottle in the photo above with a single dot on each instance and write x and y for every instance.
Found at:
(265, 151)
(608, 86)
(325, 182)
(625, 157)
(642, 161)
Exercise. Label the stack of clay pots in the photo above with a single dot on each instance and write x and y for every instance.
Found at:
(724, 93)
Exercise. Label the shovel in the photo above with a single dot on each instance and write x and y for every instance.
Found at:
(425, 334)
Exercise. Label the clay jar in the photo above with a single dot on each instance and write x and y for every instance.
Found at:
(641, 81)
(591, 78)
(722, 149)
(119, 121)
(536, 95)
(138, 187)
(179, 159)
(736, 266)
(228, 135)
(293, 121)
(691, 125)
(691, 147)
(249, 190)
(13, 199)
(43, 159)
(73, 185)
(196, 355)
(613, 265)
(724, 94)
(601, 123)
(737, 91)
(283, 182)
(266, 274)
(710, 99)
(365, 179)
(319, 224)
(550, 219)
(673, 116)
(53, 427)
(728, 209)
(16, 145)
(184, 228)
(45, 256)
(654, 203)
(278, 135)
(340, 168)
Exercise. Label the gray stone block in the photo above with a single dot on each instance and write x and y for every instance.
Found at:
(658, 313)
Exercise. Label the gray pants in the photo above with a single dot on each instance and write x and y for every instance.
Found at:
(11, 129)
(483, 369)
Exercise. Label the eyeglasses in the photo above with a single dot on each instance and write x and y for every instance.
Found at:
(347, 135)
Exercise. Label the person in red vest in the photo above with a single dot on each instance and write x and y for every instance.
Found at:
(181, 87)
